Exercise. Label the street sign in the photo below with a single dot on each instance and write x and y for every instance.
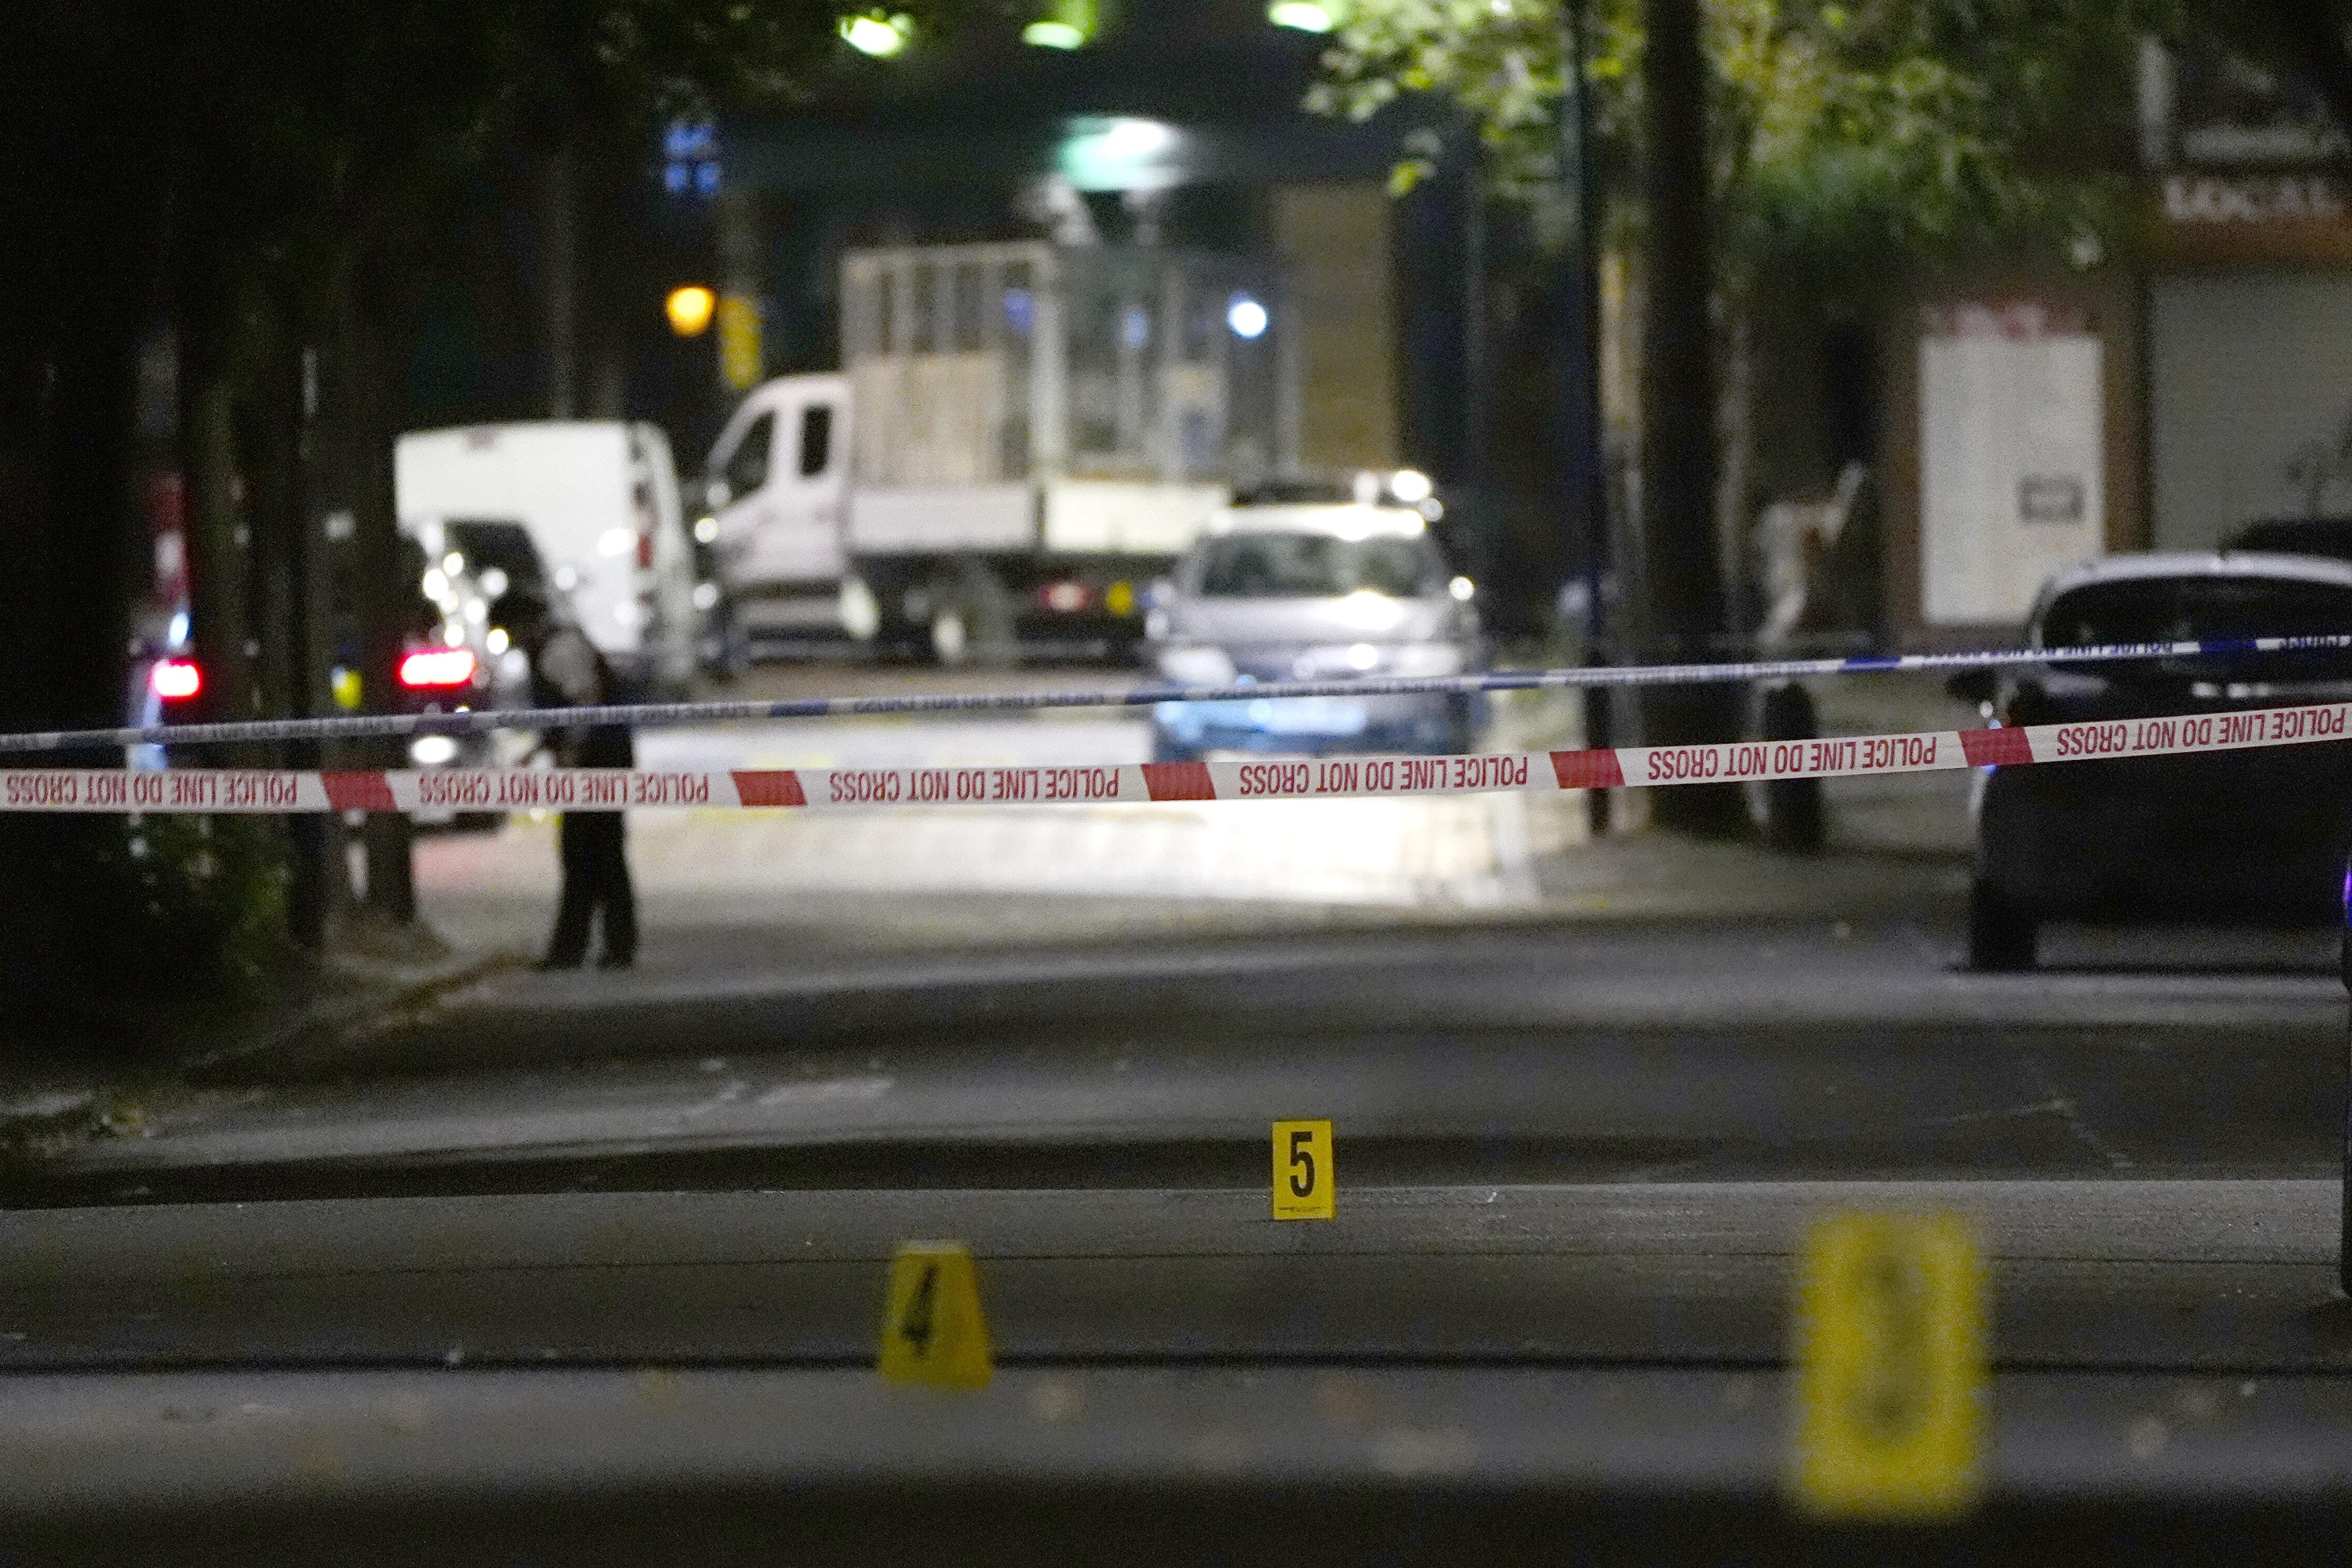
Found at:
(690, 158)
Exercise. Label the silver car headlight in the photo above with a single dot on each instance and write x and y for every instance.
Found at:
(1196, 665)
(1427, 659)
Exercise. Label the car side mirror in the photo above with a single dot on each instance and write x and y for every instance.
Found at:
(1973, 685)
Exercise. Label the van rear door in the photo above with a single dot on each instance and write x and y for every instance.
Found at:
(663, 558)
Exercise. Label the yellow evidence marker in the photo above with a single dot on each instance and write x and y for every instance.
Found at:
(1306, 1182)
(1891, 1353)
(932, 1329)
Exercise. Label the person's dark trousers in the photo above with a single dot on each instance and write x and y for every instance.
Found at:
(595, 876)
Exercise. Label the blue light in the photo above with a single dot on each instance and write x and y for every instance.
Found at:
(690, 138)
(705, 178)
(676, 177)
(1020, 310)
(1246, 317)
(1136, 327)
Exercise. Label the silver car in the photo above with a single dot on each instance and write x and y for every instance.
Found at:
(1316, 593)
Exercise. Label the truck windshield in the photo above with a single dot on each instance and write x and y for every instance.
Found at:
(1318, 566)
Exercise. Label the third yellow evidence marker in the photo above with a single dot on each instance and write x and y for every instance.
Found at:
(1306, 1182)
(1891, 1354)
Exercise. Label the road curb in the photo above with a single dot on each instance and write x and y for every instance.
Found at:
(349, 1012)
(85, 1112)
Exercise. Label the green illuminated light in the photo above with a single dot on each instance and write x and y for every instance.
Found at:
(1120, 153)
(1066, 25)
(872, 33)
(1306, 15)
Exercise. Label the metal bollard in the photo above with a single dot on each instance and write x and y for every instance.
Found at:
(1794, 818)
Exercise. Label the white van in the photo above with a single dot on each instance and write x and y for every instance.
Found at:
(600, 499)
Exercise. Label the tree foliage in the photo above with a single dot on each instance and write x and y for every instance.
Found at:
(259, 182)
(1839, 132)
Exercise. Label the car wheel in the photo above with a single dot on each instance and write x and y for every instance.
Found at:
(729, 658)
(2002, 933)
(971, 619)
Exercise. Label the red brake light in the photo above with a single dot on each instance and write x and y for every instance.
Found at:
(646, 551)
(175, 679)
(1066, 597)
(437, 667)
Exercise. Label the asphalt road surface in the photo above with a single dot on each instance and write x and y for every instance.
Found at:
(1641, 1048)
(1617, 1092)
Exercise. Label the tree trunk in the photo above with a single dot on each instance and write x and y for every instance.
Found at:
(1678, 459)
(356, 477)
(287, 670)
(220, 537)
(1582, 422)
(1735, 429)
(559, 280)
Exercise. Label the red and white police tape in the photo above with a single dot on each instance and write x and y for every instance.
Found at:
(243, 790)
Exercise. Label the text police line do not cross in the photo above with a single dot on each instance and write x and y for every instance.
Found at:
(246, 790)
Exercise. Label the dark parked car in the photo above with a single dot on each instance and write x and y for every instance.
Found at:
(2327, 536)
(2255, 835)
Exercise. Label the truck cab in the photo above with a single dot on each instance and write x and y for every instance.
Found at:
(771, 502)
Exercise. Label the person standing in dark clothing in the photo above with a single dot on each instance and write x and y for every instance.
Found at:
(566, 671)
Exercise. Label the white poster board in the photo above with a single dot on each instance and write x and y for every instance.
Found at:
(2011, 461)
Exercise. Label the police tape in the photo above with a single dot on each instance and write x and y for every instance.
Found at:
(245, 790)
(470, 720)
